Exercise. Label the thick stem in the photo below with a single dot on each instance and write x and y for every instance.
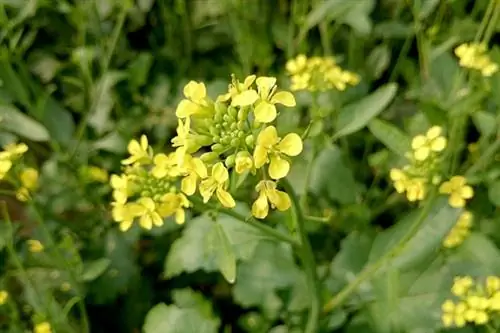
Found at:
(370, 270)
(307, 256)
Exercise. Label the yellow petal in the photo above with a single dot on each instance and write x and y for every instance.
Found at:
(291, 145)
(199, 167)
(243, 162)
(180, 216)
(456, 201)
(268, 137)
(284, 97)
(438, 144)
(144, 143)
(219, 173)
(195, 91)
(445, 188)
(134, 148)
(422, 153)
(146, 222)
(434, 132)
(186, 108)
(245, 98)
(467, 192)
(125, 225)
(225, 197)
(260, 207)
(260, 156)
(280, 200)
(188, 184)
(278, 168)
(264, 85)
(265, 112)
(418, 141)
(207, 188)
(248, 81)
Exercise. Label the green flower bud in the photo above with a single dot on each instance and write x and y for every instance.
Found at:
(225, 140)
(146, 193)
(240, 134)
(216, 139)
(243, 114)
(226, 118)
(218, 126)
(233, 126)
(213, 130)
(220, 109)
(249, 140)
(233, 113)
(211, 156)
(240, 125)
(218, 148)
(230, 161)
(203, 140)
(225, 124)
(235, 142)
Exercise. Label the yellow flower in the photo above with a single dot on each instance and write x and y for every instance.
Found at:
(460, 231)
(268, 193)
(4, 295)
(240, 93)
(196, 102)
(265, 110)
(97, 174)
(195, 170)
(432, 141)
(35, 246)
(125, 214)
(271, 147)
(12, 151)
(458, 190)
(399, 179)
(148, 213)
(43, 328)
(492, 284)
(165, 165)
(120, 187)
(243, 162)
(453, 314)
(174, 204)
(294, 66)
(5, 166)
(474, 56)
(416, 189)
(184, 141)
(461, 285)
(217, 183)
(139, 152)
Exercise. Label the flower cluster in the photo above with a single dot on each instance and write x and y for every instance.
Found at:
(424, 160)
(318, 73)
(473, 56)
(9, 155)
(458, 191)
(460, 231)
(474, 302)
(235, 131)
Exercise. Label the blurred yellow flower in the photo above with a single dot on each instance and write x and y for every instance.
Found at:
(139, 151)
(458, 190)
(34, 246)
(5, 166)
(147, 211)
(217, 182)
(196, 102)
(120, 187)
(271, 148)
(269, 194)
(29, 182)
(460, 231)
(174, 204)
(4, 296)
(43, 327)
(474, 56)
(12, 151)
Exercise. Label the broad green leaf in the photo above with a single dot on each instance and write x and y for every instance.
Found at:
(92, 270)
(391, 136)
(426, 240)
(55, 118)
(189, 299)
(485, 122)
(494, 193)
(378, 61)
(426, 7)
(357, 115)
(11, 81)
(352, 257)
(171, 319)
(138, 70)
(271, 268)
(13, 120)
(331, 176)
(476, 256)
(112, 142)
(218, 243)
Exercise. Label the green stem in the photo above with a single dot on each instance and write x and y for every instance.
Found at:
(492, 23)
(484, 21)
(273, 233)
(484, 159)
(307, 256)
(370, 270)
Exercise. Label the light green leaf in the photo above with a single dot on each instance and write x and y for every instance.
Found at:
(476, 256)
(391, 136)
(171, 319)
(138, 70)
(425, 242)
(331, 176)
(357, 115)
(92, 270)
(189, 299)
(352, 257)
(378, 61)
(485, 122)
(218, 243)
(494, 193)
(13, 120)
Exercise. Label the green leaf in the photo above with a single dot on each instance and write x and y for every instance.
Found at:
(391, 136)
(494, 193)
(378, 61)
(171, 319)
(189, 299)
(92, 270)
(138, 70)
(352, 257)
(331, 176)
(485, 122)
(476, 256)
(357, 115)
(425, 242)
(218, 243)
(5, 234)
(13, 120)
(11, 81)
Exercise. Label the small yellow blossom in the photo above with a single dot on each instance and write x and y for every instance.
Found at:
(13, 151)
(268, 193)
(238, 92)
(492, 284)
(139, 151)
(458, 190)
(4, 295)
(432, 141)
(125, 213)
(34, 246)
(165, 165)
(474, 56)
(399, 179)
(414, 187)
(243, 162)
(148, 212)
(5, 166)
(195, 170)
(120, 187)
(174, 204)
(29, 182)
(196, 102)
(217, 182)
(460, 231)
(43, 327)
(272, 148)
(461, 285)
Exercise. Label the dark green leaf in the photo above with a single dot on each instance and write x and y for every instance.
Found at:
(357, 115)
(171, 319)
(92, 270)
(494, 193)
(391, 136)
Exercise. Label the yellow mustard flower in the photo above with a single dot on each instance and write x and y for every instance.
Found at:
(492, 284)
(458, 190)
(139, 151)
(453, 314)
(4, 296)
(476, 312)
(120, 187)
(269, 194)
(13, 151)
(295, 66)
(462, 285)
(416, 189)
(174, 204)
(5, 166)
(217, 182)
(185, 143)
(432, 141)
(460, 231)
(195, 170)
(240, 93)
(165, 166)
(272, 148)
(243, 162)
(400, 179)
(29, 182)
(474, 56)
(196, 102)
(34, 246)
(43, 327)
(148, 212)
(265, 110)
(125, 213)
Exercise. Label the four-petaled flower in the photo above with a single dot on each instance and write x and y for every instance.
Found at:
(217, 182)
(240, 92)
(165, 165)
(271, 148)
(195, 170)
(174, 204)
(458, 190)
(196, 102)
(269, 194)
(139, 152)
(243, 162)
(432, 141)
(148, 212)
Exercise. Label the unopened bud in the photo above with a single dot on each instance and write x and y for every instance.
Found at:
(230, 161)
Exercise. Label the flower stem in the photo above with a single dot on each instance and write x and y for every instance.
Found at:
(307, 256)
(370, 270)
